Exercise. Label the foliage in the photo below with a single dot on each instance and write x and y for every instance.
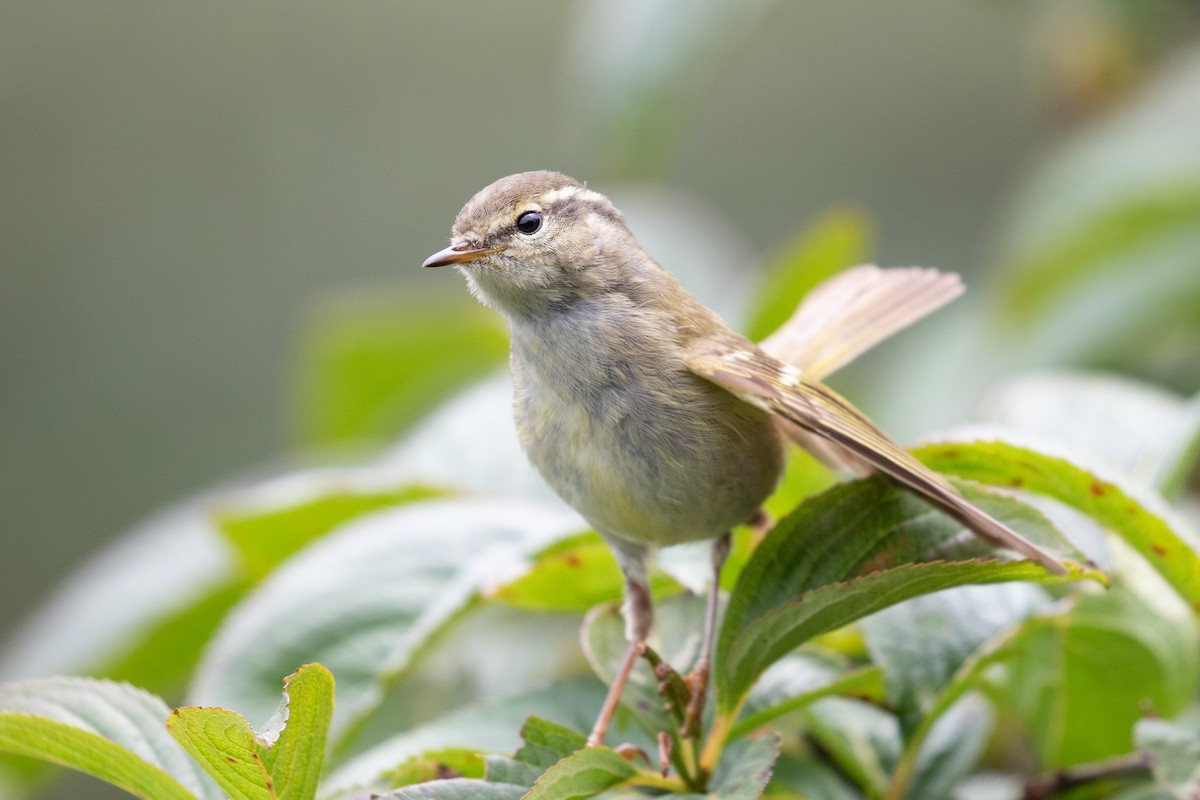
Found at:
(867, 646)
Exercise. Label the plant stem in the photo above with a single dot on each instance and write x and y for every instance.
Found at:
(718, 735)
(1122, 766)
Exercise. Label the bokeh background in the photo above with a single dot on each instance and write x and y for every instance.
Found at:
(193, 195)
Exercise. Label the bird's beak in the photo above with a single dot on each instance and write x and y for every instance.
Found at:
(458, 253)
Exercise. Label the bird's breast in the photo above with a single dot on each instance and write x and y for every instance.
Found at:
(644, 449)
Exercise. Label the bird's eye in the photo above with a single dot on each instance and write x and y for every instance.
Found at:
(529, 222)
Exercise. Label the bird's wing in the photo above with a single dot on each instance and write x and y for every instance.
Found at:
(781, 389)
(855, 310)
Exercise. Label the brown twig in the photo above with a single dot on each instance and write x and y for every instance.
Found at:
(1048, 786)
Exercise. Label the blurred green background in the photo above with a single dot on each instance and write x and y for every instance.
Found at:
(186, 187)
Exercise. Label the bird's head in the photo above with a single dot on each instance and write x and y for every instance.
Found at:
(536, 241)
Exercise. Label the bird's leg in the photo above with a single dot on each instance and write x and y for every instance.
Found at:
(698, 678)
(639, 616)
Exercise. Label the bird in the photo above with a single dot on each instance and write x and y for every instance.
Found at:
(648, 414)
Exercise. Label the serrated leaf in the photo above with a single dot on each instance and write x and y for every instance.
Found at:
(491, 726)
(582, 774)
(227, 747)
(297, 756)
(283, 762)
(373, 366)
(366, 598)
(546, 742)
(1174, 755)
(834, 561)
(1134, 515)
(110, 730)
(838, 239)
(776, 633)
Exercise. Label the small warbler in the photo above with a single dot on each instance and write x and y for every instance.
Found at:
(647, 413)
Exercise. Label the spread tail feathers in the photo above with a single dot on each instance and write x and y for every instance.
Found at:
(853, 311)
(816, 410)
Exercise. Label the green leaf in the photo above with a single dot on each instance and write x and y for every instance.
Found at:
(468, 444)
(1082, 678)
(60, 743)
(1050, 272)
(776, 633)
(922, 642)
(574, 575)
(1131, 177)
(1140, 791)
(227, 747)
(491, 726)
(582, 774)
(123, 599)
(953, 747)
(809, 778)
(109, 730)
(366, 599)
(862, 739)
(284, 762)
(1134, 515)
(1174, 754)
(440, 764)
(839, 239)
(165, 654)
(639, 73)
(967, 678)
(832, 562)
(265, 537)
(801, 679)
(1106, 249)
(457, 789)
(1183, 460)
(746, 768)
(546, 742)
(1128, 425)
(373, 366)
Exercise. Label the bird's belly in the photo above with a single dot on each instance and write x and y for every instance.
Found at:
(647, 470)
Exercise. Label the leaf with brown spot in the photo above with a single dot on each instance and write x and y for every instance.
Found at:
(1142, 519)
(248, 765)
